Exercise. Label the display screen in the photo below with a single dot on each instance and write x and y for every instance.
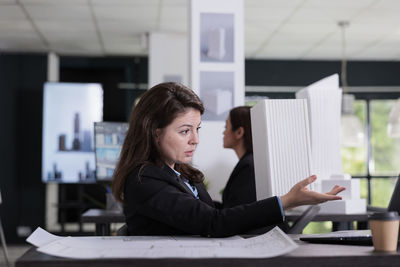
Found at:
(69, 112)
(109, 137)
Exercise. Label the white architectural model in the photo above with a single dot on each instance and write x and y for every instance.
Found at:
(281, 145)
(324, 99)
(293, 139)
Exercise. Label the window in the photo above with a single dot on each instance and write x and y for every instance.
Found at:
(377, 163)
(385, 151)
(354, 159)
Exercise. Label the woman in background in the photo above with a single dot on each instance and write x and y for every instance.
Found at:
(240, 188)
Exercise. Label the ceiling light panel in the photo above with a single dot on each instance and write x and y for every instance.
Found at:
(5, 2)
(48, 26)
(380, 52)
(11, 12)
(109, 36)
(125, 2)
(26, 45)
(133, 40)
(327, 4)
(120, 48)
(54, 2)
(273, 3)
(17, 26)
(388, 4)
(308, 28)
(283, 52)
(15, 36)
(368, 27)
(51, 12)
(174, 13)
(127, 26)
(70, 46)
(72, 37)
(387, 14)
(276, 14)
(175, 2)
(125, 12)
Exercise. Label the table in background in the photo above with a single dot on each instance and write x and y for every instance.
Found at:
(340, 221)
(102, 219)
(308, 255)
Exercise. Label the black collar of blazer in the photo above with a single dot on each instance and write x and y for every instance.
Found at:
(177, 181)
(201, 190)
(165, 173)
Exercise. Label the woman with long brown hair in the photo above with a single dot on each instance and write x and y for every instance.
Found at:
(163, 194)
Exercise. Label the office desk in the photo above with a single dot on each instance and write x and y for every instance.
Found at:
(102, 219)
(308, 255)
(340, 221)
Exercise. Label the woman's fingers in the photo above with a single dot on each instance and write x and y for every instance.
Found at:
(307, 181)
(336, 190)
(330, 197)
(320, 197)
(300, 195)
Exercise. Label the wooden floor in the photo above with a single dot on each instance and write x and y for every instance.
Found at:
(14, 252)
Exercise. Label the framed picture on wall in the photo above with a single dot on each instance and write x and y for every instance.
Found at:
(216, 91)
(216, 37)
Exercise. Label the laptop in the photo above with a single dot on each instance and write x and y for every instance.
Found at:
(356, 237)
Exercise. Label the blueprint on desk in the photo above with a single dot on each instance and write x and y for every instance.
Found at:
(271, 244)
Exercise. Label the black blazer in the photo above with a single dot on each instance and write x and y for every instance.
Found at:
(158, 204)
(241, 185)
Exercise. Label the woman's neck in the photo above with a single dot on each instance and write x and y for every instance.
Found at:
(240, 150)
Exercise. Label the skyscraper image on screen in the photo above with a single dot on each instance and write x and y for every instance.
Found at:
(109, 137)
(69, 111)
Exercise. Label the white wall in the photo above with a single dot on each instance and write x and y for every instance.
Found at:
(214, 78)
(168, 57)
(212, 159)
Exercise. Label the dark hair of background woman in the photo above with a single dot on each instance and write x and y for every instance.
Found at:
(240, 117)
(156, 109)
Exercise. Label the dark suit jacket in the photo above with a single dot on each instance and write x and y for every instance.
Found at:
(241, 185)
(158, 204)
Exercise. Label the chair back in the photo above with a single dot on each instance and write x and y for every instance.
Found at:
(123, 231)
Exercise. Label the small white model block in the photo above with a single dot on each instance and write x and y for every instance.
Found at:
(352, 187)
(348, 206)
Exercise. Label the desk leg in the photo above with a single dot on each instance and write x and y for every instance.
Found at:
(102, 229)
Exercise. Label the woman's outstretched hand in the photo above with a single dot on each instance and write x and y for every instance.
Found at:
(299, 194)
